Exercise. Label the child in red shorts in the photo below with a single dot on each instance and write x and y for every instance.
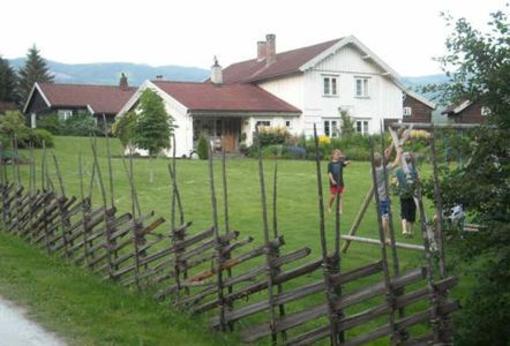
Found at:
(336, 177)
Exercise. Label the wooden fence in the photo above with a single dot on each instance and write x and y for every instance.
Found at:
(238, 286)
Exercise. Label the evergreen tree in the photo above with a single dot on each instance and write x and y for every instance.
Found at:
(153, 126)
(7, 82)
(34, 70)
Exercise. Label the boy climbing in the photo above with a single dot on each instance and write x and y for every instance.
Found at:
(384, 201)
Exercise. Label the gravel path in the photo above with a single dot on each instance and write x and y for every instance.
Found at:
(17, 330)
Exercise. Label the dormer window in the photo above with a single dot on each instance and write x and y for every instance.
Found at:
(329, 86)
(361, 86)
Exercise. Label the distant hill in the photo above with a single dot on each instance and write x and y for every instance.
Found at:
(109, 73)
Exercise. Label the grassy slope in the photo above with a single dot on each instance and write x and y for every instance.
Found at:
(298, 218)
(85, 310)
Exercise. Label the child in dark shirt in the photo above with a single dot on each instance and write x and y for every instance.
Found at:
(336, 177)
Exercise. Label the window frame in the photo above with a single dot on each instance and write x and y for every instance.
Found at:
(333, 125)
(363, 125)
(407, 111)
(332, 83)
(363, 80)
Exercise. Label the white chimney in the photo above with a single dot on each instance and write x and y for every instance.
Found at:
(261, 50)
(270, 49)
(216, 72)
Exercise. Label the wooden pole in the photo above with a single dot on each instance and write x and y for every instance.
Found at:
(107, 219)
(326, 263)
(394, 253)
(281, 307)
(230, 289)
(86, 205)
(267, 240)
(387, 278)
(109, 155)
(219, 274)
(438, 207)
(434, 321)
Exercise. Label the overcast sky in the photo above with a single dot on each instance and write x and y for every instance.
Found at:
(404, 33)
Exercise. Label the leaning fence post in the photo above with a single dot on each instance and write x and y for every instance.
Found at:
(387, 278)
(328, 264)
(270, 255)
(396, 265)
(281, 307)
(219, 243)
(438, 206)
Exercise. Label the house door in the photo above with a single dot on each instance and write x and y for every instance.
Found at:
(231, 129)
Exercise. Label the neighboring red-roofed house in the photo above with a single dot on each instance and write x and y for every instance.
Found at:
(70, 99)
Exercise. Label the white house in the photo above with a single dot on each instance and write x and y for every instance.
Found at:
(295, 89)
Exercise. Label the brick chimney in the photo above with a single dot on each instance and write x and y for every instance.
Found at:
(261, 50)
(270, 49)
(216, 73)
(123, 82)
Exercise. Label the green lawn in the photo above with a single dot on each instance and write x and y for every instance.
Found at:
(143, 319)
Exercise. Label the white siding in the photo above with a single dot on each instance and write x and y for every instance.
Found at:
(384, 97)
(306, 92)
(181, 120)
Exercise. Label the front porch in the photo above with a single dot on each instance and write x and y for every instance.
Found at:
(224, 132)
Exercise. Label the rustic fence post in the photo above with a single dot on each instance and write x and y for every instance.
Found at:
(396, 265)
(219, 243)
(434, 321)
(438, 206)
(270, 251)
(387, 278)
(108, 217)
(281, 307)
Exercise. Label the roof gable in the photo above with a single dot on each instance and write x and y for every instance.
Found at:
(208, 97)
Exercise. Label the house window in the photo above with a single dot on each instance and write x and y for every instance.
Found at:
(361, 87)
(287, 124)
(485, 111)
(408, 111)
(263, 123)
(331, 128)
(330, 86)
(65, 114)
(362, 127)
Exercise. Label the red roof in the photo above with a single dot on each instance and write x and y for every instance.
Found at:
(224, 97)
(107, 99)
(286, 63)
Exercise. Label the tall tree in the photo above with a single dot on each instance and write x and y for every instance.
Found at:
(7, 82)
(34, 70)
(153, 126)
(478, 64)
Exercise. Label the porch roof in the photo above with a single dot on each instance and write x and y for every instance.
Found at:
(228, 98)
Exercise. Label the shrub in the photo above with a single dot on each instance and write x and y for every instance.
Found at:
(202, 148)
(38, 136)
(273, 135)
(81, 124)
(50, 123)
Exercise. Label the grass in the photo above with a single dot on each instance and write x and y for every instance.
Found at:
(297, 218)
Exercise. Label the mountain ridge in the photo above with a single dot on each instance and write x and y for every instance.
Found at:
(108, 73)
